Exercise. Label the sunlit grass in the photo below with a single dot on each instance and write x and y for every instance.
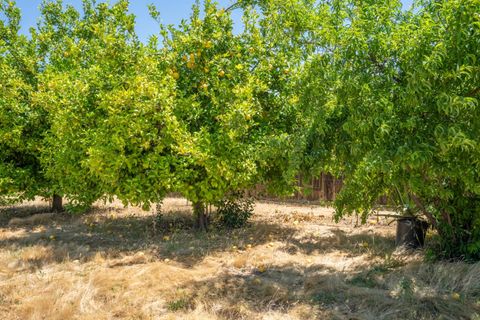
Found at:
(290, 262)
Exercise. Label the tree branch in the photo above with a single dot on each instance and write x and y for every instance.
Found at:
(474, 92)
(429, 215)
(231, 7)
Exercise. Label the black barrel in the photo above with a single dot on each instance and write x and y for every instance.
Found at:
(411, 232)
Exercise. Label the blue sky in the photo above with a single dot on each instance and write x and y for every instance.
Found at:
(172, 12)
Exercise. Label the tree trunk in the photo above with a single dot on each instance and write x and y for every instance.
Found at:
(57, 205)
(200, 216)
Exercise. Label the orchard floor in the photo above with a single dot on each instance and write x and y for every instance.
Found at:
(291, 262)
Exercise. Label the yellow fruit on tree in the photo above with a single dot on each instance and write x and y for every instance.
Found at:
(191, 62)
(208, 44)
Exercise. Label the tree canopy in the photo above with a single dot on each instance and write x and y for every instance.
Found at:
(22, 124)
(383, 97)
(398, 92)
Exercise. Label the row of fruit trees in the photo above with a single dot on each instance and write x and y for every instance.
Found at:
(385, 97)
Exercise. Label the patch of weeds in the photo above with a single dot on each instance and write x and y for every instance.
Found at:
(379, 269)
(171, 247)
(326, 298)
(179, 304)
(325, 203)
(366, 281)
(370, 278)
(406, 288)
(392, 263)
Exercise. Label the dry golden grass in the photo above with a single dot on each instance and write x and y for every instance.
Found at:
(39, 218)
(291, 262)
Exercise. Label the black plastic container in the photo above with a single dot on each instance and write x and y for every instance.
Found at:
(411, 232)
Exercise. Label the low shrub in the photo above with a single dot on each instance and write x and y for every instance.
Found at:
(235, 210)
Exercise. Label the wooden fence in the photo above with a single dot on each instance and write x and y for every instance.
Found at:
(323, 188)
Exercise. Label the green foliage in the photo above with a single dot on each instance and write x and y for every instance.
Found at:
(396, 98)
(235, 210)
(213, 105)
(22, 124)
(179, 304)
(385, 98)
(110, 103)
(207, 113)
(235, 112)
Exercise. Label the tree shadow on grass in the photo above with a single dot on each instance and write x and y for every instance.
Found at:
(21, 211)
(331, 294)
(171, 236)
(383, 290)
(361, 242)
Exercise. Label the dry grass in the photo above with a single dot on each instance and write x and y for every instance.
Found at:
(40, 218)
(291, 262)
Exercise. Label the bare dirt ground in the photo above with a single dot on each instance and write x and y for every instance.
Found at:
(290, 262)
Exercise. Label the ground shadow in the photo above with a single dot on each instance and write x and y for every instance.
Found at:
(365, 241)
(169, 236)
(21, 211)
(332, 294)
(172, 236)
(380, 289)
